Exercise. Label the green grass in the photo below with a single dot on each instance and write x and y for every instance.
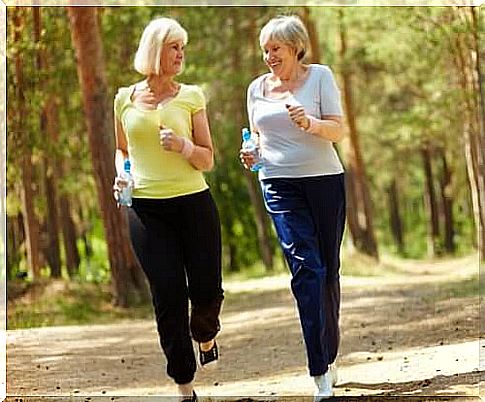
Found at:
(67, 303)
(62, 302)
(469, 287)
(356, 264)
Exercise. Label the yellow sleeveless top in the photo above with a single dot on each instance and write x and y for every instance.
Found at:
(158, 173)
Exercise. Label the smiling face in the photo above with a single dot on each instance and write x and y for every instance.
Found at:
(172, 57)
(280, 58)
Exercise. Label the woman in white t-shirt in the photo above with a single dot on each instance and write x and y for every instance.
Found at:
(295, 114)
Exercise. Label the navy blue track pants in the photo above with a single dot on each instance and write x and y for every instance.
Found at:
(309, 217)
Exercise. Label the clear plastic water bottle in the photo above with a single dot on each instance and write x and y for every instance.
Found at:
(250, 145)
(125, 195)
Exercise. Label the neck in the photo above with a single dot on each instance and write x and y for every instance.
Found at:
(292, 75)
(161, 83)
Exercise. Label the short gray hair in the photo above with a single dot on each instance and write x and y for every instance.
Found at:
(157, 32)
(288, 29)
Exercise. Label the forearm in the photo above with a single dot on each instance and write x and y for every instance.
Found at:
(330, 130)
(120, 156)
(202, 158)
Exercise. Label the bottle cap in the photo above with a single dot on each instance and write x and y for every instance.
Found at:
(127, 165)
(246, 134)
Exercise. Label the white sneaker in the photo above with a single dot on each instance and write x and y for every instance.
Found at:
(324, 384)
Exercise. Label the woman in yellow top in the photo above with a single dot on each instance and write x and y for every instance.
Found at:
(161, 127)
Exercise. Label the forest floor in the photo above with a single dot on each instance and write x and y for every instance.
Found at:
(414, 332)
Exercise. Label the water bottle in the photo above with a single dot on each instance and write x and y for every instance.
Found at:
(250, 145)
(127, 191)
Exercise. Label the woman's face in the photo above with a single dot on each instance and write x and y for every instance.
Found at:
(279, 57)
(172, 57)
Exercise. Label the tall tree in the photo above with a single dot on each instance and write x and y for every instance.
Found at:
(31, 223)
(263, 224)
(447, 203)
(86, 39)
(430, 202)
(466, 55)
(359, 197)
(395, 215)
(49, 163)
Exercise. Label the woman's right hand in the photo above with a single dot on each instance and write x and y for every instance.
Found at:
(247, 158)
(119, 184)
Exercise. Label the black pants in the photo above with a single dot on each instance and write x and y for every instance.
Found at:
(309, 217)
(178, 244)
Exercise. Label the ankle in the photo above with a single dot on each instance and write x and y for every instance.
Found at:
(186, 389)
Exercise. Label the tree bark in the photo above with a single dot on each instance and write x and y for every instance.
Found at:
(367, 243)
(475, 57)
(69, 236)
(31, 223)
(447, 202)
(395, 215)
(49, 163)
(351, 209)
(263, 225)
(431, 203)
(16, 237)
(261, 220)
(312, 34)
(125, 271)
(465, 54)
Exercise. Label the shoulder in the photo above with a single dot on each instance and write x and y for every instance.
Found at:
(193, 96)
(321, 70)
(193, 91)
(256, 83)
(123, 93)
(122, 98)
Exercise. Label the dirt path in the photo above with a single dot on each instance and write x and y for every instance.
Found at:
(401, 335)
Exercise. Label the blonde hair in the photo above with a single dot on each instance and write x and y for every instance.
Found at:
(157, 32)
(288, 29)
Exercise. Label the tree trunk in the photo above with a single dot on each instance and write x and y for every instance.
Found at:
(52, 251)
(367, 243)
(313, 35)
(49, 159)
(465, 54)
(263, 225)
(395, 215)
(351, 209)
(447, 202)
(475, 57)
(31, 224)
(431, 203)
(16, 237)
(261, 220)
(69, 236)
(125, 271)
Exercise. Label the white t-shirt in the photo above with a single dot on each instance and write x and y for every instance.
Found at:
(286, 149)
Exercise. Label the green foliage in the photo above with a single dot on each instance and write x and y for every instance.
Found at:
(405, 93)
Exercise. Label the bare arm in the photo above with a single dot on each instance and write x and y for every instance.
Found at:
(201, 154)
(329, 127)
(121, 152)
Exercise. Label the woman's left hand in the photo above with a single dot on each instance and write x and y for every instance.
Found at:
(170, 141)
(298, 116)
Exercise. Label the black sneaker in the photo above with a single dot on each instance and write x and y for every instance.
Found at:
(210, 356)
(193, 398)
